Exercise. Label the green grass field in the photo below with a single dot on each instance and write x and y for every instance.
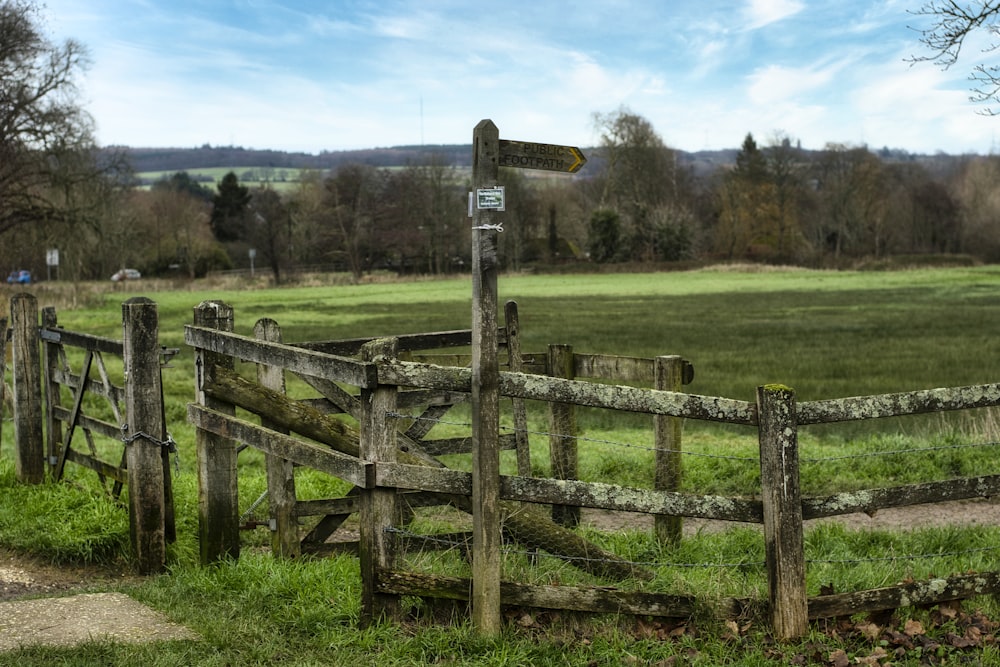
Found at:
(280, 179)
(826, 334)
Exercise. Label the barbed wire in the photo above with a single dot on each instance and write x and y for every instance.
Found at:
(909, 557)
(649, 448)
(582, 438)
(454, 544)
(908, 450)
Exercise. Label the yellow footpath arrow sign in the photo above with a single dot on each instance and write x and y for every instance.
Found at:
(550, 157)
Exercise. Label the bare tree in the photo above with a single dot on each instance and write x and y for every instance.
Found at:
(953, 24)
(640, 176)
(42, 128)
(269, 228)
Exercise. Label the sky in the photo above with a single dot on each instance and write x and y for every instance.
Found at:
(351, 74)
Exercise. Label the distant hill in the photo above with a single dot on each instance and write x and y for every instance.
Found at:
(207, 157)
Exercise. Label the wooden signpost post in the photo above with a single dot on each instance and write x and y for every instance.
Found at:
(486, 204)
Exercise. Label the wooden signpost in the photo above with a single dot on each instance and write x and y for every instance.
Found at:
(486, 204)
(549, 157)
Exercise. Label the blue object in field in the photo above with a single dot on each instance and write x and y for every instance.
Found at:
(22, 277)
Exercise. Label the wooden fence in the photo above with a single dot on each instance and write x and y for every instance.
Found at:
(129, 414)
(392, 472)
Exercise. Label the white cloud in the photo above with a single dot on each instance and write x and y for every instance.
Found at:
(775, 84)
(760, 13)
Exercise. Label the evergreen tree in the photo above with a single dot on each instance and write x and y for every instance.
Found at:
(182, 181)
(604, 235)
(229, 209)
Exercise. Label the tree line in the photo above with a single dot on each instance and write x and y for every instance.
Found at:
(638, 201)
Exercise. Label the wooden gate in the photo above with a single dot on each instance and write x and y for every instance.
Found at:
(423, 409)
(106, 414)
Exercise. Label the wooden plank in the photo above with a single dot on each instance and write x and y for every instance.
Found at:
(534, 362)
(427, 420)
(872, 500)
(917, 593)
(100, 467)
(345, 402)
(379, 510)
(521, 441)
(74, 417)
(112, 393)
(420, 397)
(319, 507)
(630, 499)
(460, 360)
(296, 359)
(82, 341)
(612, 367)
(280, 471)
(629, 399)
(54, 359)
(426, 376)
(106, 429)
(218, 488)
(582, 494)
(462, 445)
(782, 504)
(302, 452)
(571, 598)
(423, 478)
(407, 342)
(906, 403)
(578, 392)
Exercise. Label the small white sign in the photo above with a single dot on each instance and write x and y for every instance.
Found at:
(52, 257)
(490, 199)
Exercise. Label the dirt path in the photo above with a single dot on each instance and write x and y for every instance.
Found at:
(23, 576)
(45, 604)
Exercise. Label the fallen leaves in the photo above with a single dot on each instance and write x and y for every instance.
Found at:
(941, 635)
(881, 640)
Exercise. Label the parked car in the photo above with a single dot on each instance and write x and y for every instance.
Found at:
(126, 274)
(21, 277)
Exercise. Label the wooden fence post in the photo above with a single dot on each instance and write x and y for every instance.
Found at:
(523, 448)
(668, 372)
(218, 494)
(485, 394)
(29, 448)
(3, 371)
(782, 500)
(53, 397)
(280, 472)
(145, 434)
(379, 508)
(562, 433)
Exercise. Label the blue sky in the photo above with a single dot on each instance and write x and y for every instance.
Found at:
(344, 74)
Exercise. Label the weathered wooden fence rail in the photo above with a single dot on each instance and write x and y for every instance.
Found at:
(45, 431)
(386, 466)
